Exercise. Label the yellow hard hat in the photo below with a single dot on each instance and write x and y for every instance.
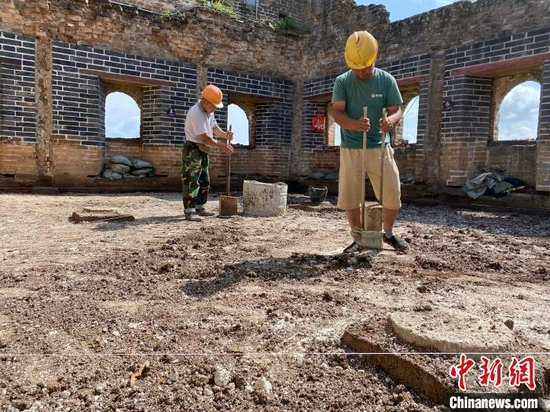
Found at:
(361, 50)
(214, 95)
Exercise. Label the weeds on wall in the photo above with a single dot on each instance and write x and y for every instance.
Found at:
(288, 24)
(219, 6)
(173, 15)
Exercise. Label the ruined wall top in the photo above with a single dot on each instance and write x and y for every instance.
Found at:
(458, 24)
(190, 31)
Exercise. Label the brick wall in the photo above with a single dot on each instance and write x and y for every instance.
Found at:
(421, 148)
(17, 108)
(78, 87)
(269, 10)
(273, 117)
(78, 94)
(17, 80)
(312, 140)
(499, 49)
(17, 162)
(465, 128)
(517, 158)
(446, 54)
(73, 163)
(543, 146)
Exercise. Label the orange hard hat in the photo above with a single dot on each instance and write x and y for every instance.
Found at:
(214, 95)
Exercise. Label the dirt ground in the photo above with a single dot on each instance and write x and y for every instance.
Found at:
(239, 314)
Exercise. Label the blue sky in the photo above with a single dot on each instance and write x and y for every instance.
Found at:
(518, 112)
(401, 9)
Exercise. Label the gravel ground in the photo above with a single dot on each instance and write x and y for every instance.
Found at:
(242, 313)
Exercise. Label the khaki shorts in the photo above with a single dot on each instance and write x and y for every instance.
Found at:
(349, 186)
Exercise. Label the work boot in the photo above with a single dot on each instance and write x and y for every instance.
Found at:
(396, 242)
(193, 217)
(353, 248)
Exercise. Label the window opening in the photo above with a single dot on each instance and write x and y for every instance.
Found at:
(333, 137)
(236, 117)
(519, 112)
(337, 134)
(410, 121)
(122, 116)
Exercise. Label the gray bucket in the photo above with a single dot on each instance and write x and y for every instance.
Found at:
(317, 194)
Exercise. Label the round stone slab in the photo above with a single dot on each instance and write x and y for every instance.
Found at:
(452, 331)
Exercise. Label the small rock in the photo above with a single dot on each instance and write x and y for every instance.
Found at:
(100, 387)
(221, 376)
(207, 392)
(52, 386)
(510, 324)
(263, 387)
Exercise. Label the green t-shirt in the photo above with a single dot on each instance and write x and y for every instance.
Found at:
(379, 91)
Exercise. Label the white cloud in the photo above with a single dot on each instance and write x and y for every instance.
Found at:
(236, 117)
(122, 116)
(410, 121)
(519, 112)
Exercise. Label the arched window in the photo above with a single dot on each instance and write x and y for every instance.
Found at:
(337, 135)
(410, 120)
(236, 117)
(519, 112)
(122, 116)
(333, 136)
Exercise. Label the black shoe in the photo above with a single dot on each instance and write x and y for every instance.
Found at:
(353, 248)
(203, 212)
(396, 242)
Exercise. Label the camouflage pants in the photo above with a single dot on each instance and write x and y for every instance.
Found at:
(195, 180)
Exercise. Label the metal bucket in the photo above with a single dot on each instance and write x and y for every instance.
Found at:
(317, 194)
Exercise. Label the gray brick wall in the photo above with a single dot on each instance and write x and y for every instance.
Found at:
(318, 87)
(273, 114)
(78, 99)
(500, 49)
(465, 128)
(312, 140)
(17, 83)
(469, 116)
(543, 146)
(421, 128)
(408, 67)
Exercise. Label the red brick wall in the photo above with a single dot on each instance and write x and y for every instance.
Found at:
(19, 160)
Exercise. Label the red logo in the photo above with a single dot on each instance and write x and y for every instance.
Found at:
(318, 123)
(520, 372)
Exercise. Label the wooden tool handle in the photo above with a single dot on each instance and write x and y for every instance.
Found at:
(228, 185)
(382, 149)
(365, 110)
